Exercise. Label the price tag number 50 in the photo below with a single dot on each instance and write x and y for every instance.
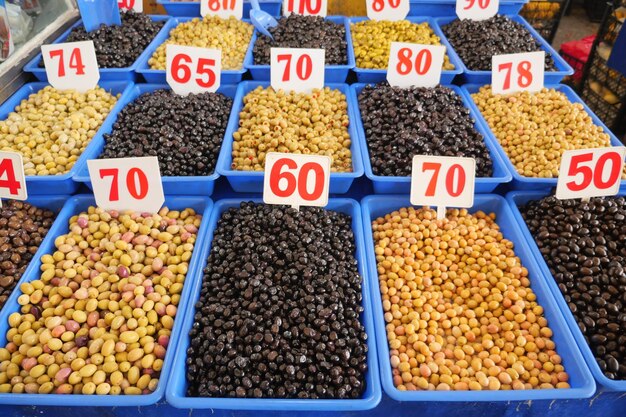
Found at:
(590, 172)
(127, 183)
(443, 181)
(296, 180)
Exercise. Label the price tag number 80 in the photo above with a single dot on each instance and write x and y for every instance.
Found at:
(379, 5)
(422, 63)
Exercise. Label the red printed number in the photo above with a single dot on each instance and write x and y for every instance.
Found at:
(525, 77)
(590, 174)
(454, 176)
(482, 4)
(126, 4)
(11, 184)
(216, 5)
(423, 61)
(379, 5)
(305, 6)
(276, 175)
(76, 61)
(133, 176)
(180, 64)
(304, 66)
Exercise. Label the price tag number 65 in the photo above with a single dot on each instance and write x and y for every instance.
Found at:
(296, 180)
(194, 70)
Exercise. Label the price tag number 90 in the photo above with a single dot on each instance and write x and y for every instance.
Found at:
(590, 172)
(481, 4)
(296, 179)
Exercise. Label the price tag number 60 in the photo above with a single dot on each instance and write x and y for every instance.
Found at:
(296, 180)
(590, 172)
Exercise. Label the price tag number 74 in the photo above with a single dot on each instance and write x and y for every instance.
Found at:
(76, 61)
(12, 180)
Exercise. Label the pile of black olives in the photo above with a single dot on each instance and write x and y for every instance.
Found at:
(400, 123)
(584, 244)
(297, 31)
(278, 314)
(184, 132)
(476, 41)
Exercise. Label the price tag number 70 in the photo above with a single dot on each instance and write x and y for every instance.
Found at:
(296, 180)
(590, 172)
(443, 181)
(136, 183)
(297, 69)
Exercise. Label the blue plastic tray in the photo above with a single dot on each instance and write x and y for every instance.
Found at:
(376, 75)
(197, 185)
(75, 205)
(332, 73)
(252, 181)
(435, 8)
(192, 8)
(106, 74)
(158, 76)
(402, 185)
(177, 384)
(581, 381)
(527, 183)
(50, 202)
(62, 184)
(563, 69)
(518, 198)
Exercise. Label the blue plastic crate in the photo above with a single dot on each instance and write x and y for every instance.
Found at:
(106, 74)
(177, 384)
(581, 381)
(436, 8)
(563, 69)
(158, 76)
(53, 203)
(402, 185)
(196, 185)
(332, 73)
(63, 184)
(518, 198)
(377, 75)
(252, 181)
(75, 205)
(521, 182)
(192, 8)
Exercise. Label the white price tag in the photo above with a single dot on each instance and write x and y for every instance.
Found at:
(387, 9)
(442, 181)
(586, 173)
(71, 65)
(296, 179)
(477, 9)
(190, 69)
(222, 8)
(305, 7)
(12, 179)
(136, 5)
(511, 73)
(297, 69)
(127, 183)
(415, 65)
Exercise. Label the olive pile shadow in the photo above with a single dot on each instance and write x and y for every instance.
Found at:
(119, 46)
(301, 123)
(184, 132)
(400, 123)
(231, 36)
(278, 313)
(371, 40)
(476, 41)
(535, 129)
(22, 229)
(99, 317)
(297, 31)
(459, 310)
(584, 245)
(52, 128)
